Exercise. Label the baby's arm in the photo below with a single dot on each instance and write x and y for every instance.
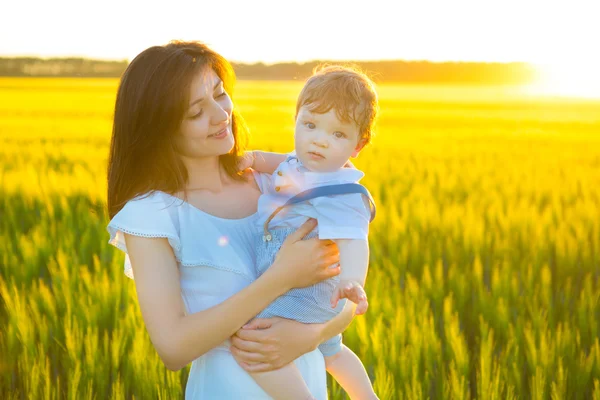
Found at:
(344, 366)
(354, 261)
(267, 162)
(262, 161)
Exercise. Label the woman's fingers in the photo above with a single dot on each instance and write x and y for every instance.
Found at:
(329, 252)
(252, 335)
(333, 259)
(330, 272)
(258, 323)
(247, 356)
(304, 230)
(327, 258)
(258, 367)
(246, 345)
(327, 245)
(335, 297)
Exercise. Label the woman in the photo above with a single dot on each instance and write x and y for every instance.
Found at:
(185, 214)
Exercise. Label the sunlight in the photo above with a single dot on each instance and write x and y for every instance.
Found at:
(568, 78)
(223, 241)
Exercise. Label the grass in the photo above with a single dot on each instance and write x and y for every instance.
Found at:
(485, 255)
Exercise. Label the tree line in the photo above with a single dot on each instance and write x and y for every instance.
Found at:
(382, 71)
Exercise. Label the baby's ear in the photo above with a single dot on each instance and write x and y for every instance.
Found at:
(361, 144)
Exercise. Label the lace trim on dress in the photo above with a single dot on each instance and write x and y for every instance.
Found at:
(175, 244)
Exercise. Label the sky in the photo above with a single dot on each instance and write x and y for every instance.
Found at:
(543, 32)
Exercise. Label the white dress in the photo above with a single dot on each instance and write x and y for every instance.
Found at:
(216, 258)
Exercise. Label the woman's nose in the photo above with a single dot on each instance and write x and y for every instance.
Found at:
(220, 115)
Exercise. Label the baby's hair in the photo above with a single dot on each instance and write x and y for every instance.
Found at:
(346, 89)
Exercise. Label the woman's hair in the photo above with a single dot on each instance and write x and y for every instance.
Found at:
(350, 92)
(151, 103)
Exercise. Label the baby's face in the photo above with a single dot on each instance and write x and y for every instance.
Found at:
(323, 142)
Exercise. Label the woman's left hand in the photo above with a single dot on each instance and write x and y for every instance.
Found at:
(269, 344)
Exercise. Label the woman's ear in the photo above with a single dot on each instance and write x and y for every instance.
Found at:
(361, 144)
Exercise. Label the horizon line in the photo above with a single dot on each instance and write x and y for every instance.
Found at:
(232, 61)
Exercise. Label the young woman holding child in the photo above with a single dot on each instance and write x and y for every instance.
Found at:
(183, 206)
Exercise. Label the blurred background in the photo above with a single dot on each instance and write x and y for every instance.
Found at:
(485, 255)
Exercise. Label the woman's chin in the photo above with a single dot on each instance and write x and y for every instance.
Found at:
(223, 146)
(228, 144)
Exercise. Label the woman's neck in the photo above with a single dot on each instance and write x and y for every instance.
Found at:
(205, 174)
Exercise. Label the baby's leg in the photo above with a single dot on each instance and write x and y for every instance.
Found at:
(347, 369)
(284, 383)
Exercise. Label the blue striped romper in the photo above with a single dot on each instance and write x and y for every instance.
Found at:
(310, 304)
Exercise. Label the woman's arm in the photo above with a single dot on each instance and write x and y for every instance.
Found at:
(180, 338)
(268, 344)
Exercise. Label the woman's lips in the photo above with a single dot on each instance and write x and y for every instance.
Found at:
(219, 135)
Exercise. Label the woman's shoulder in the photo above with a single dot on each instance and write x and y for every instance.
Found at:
(147, 207)
(148, 215)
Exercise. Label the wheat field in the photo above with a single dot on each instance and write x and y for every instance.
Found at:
(484, 279)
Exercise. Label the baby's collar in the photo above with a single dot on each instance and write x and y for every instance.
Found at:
(341, 175)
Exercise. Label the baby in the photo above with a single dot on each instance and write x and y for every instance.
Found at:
(335, 114)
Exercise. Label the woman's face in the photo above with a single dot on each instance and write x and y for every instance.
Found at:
(206, 127)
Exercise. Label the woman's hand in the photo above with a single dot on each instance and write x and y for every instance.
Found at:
(268, 344)
(301, 263)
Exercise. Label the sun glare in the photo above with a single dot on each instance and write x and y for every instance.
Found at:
(569, 79)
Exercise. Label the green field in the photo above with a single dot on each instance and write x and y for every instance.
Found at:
(484, 279)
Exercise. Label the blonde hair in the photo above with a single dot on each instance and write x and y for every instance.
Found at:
(349, 91)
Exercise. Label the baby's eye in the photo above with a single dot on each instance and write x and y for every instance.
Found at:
(339, 135)
(310, 125)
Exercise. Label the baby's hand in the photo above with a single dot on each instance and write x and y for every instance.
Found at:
(352, 291)
(246, 161)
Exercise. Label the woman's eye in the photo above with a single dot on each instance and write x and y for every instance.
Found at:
(310, 125)
(224, 93)
(198, 115)
(339, 135)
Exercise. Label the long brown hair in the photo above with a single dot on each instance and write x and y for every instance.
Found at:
(151, 102)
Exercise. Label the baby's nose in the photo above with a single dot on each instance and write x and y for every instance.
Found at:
(321, 142)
